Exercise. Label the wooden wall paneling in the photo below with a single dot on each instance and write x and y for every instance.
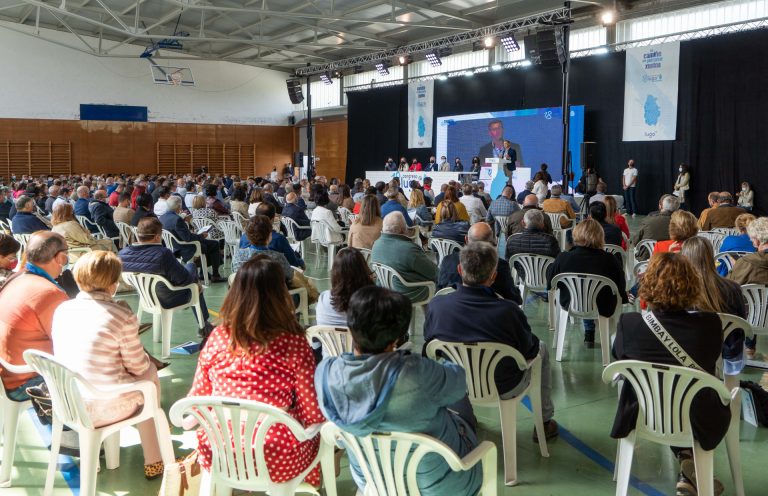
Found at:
(226, 135)
(61, 159)
(40, 158)
(19, 157)
(5, 160)
(206, 134)
(99, 151)
(282, 146)
(166, 158)
(24, 130)
(144, 148)
(183, 158)
(165, 133)
(247, 160)
(215, 158)
(331, 148)
(231, 158)
(123, 148)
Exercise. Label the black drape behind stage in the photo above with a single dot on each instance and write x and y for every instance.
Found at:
(722, 107)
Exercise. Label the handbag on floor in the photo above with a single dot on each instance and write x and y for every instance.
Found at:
(41, 402)
(182, 478)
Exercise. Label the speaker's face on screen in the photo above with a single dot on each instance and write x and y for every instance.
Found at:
(496, 131)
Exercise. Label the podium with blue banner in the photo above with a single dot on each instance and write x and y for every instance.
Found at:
(492, 174)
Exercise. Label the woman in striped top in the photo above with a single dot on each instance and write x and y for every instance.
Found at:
(104, 348)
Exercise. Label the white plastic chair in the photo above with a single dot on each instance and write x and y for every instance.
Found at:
(11, 410)
(201, 222)
(645, 246)
(389, 461)
(126, 233)
(479, 361)
(232, 233)
(68, 393)
(727, 231)
(322, 236)
(445, 291)
(728, 258)
(98, 234)
(172, 242)
(534, 272)
(616, 249)
(756, 296)
(443, 247)
(236, 431)
(335, 340)
(23, 239)
(162, 318)
(5, 227)
(239, 218)
(386, 277)
(665, 394)
(730, 324)
(583, 290)
(559, 232)
(715, 238)
(292, 227)
(366, 254)
(503, 225)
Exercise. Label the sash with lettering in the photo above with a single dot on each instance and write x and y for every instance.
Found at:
(669, 342)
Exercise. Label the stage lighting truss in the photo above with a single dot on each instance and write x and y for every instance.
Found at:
(509, 43)
(405, 59)
(434, 59)
(326, 77)
(382, 68)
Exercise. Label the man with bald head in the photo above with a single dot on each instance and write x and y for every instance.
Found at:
(295, 212)
(503, 285)
(516, 218)
(28, 301)
(82, 206)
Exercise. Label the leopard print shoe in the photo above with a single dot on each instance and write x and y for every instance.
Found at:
(154, 470)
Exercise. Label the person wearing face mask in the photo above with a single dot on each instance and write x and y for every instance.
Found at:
(9, 247)
(403, 167)
(432, 166)
(445, 166)
(28, 300)
(746, 197)
(475, 166)
(457, 166)
(682, 185)
(390, 165)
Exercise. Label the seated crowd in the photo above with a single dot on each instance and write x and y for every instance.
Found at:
(71, 258)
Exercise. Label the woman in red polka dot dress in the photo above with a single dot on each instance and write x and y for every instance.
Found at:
(260, 352)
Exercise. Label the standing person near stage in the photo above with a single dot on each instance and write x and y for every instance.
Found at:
(629, 183)
(682, 185)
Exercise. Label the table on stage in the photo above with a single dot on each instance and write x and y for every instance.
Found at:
(438, 178)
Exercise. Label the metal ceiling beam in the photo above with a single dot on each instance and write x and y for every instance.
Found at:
(555, 16)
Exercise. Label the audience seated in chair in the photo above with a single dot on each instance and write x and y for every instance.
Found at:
(450, 226)
(671, 287)
(395, 249)
(259, 236)
(294, 211)
(712, 199)
(531, 202)
(148, 255)
(393, 205)
(143, 208)
(278, 242)
(503, 285)
(105, 349)
(474, 313)
(657, 227)
(123, 212)
(103, 215)
(682, 226)
(323, 213)
(532, 239)
(723, 215)
(82, 205)
(598, 212)
(9, 249)
(25, 221)
(502, 207)
(76, 236)
(474, 205)
(349, 273)
(741, 241)
(380, 389)
(366, 228)
(28, 301)
(556, 205)
(451, 195)
(260, 352)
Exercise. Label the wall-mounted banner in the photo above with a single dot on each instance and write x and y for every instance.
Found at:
(650, 92)
(421, 99)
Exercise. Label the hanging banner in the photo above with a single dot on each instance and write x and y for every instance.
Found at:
(420, 114)
(650, 92)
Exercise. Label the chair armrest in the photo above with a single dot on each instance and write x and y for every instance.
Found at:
(146, 388)
(192, 287)
(17, 369)
(476, 455)
(313, 430)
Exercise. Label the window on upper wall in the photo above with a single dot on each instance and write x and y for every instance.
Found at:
(700, 17)
(450, 63)
(323, 95)
(582, 39)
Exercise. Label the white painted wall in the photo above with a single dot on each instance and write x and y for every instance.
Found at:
(42, 80)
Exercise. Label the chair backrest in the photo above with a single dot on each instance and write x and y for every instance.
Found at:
(90, 226)
(23, 239)
(446, 291)
(389, 461)
(238, 217)
(479, 361)
(65, 387)
(5, 227)
(345, 213)
(534, 269)
(715, 238)
(146, 287)
(555, 219)
(664, 395)
(335, 340)
(386, 275)
(201, 222)
(126, 232)
(290, 226)
(756, 296)
(640, 267)
(366, 254)
(645, 246)
(503, 223)
(237, 431)
(12, 369)
(232, 231)
(583, 289)
(444, 247)
(728, 258)
(728, 231)
(320, 232)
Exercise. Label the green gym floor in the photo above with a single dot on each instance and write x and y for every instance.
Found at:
(581, 458)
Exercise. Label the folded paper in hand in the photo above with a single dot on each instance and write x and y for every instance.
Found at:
(204, 229)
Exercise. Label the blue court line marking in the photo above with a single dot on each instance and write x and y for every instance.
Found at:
(598, 458)
(67, 466)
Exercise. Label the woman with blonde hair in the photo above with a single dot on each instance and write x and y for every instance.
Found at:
(451, 226)
(260, 352)
(367, 226)
(417, 208)
(64, 223)
(741, 241)
(588, 257)
(452, 196)
(682, 225)
(105, 349)
(200, 210)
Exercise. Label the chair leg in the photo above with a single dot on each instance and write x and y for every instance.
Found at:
(552, 310)
(523, 295)
(54, 460)
(163, 431)
(604, 324)
(206, 483)
(157, 329)
(562, 323)
(626, 452)
(112, 451)
(89, 462)
(328, 468)
(703, 460)
(167, 322)
(534, 394)
(732, 446)
(204, 266)
(508, 414)
(10, 423)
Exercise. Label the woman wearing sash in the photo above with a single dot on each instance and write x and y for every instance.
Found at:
(671, 287)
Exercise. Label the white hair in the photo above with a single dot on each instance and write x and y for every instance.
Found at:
(174, 203)
(758, 229)
(670, 203)
(394, 223)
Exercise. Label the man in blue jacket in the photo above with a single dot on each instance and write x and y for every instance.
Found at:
(82, 206)
(293, 211)
(377, 388)
(149, 256)
(25, 221)
(171, 221)
(102, 214)
(392, 205)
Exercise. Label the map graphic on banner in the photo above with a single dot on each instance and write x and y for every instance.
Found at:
(420, 114)
(650, 92)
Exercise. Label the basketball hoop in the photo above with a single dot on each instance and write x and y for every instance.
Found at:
(175, 78)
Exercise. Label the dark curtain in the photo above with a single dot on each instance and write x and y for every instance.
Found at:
(720, 130)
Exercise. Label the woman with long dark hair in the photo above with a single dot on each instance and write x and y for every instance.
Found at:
(350, 272)
(260, 352)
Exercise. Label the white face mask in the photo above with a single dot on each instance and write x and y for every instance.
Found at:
(680, 169)
(745, 189)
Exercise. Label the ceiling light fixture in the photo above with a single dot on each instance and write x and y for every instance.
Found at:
(382, 68)
(510, 43)
(434, 59)
(488, 41)
(608, 17)
(326, 77)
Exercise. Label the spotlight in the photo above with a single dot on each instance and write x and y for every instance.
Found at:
(488, 41)
(434, 59)
(405, 59)
(382, 68)
(608, 17)
(510, 43)
(337, 74)
(326, 77)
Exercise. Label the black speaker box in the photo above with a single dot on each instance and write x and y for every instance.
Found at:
(589, 155)
(298, 159)
(294, 90)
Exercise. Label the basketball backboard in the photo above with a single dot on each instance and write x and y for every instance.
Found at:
(177, 76)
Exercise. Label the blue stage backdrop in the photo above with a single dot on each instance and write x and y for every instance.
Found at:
(538, 132)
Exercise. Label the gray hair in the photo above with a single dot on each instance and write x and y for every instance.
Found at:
(23, 201)
(556, 190)
(534, 218)
(174, 203)
(481, 231)
(758, 229)
(670, 203)
(529, 185)
(43, 246)
(391, 193)
(478, 262)
(394, 223)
